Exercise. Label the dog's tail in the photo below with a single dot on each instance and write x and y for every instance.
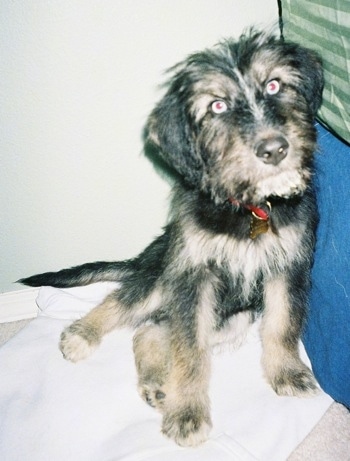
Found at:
(80, 275)
(142, 270)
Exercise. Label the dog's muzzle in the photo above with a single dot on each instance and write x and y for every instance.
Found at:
(272, 150)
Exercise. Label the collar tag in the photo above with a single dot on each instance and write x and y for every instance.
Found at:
(258, 226)
(259, 223)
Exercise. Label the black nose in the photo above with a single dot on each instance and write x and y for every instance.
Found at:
(272, 150)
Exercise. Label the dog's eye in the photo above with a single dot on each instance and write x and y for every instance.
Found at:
(272, 87)
(218, 107)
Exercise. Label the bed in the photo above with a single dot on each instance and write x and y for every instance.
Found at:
(51, 409)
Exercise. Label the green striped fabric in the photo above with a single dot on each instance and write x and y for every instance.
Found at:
(324, 25)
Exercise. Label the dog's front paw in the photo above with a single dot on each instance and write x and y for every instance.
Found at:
(76, 343)
(189, 427)
(298, 381)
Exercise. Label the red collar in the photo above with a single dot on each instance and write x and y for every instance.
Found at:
(256, 211)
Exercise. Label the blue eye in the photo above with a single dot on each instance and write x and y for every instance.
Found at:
(219, 106)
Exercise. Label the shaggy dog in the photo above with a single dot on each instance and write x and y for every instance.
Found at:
(236, 125)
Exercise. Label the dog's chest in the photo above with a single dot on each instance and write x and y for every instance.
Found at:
(246, 259)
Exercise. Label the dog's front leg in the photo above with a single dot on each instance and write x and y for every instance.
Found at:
(285, 307)
(82, 337)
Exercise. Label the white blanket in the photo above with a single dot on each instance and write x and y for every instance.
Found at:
(54, 410)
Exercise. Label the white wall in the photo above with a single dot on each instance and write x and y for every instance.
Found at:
(78, 78)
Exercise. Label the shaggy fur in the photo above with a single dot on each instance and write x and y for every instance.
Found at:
(236, 125)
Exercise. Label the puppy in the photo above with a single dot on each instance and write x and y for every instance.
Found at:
(236, 126)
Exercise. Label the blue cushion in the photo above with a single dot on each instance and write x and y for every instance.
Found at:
(327, 331)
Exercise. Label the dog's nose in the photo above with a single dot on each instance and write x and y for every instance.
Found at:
(272, 150)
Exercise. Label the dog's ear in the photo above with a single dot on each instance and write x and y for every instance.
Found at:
(168, 128)
(311, 72)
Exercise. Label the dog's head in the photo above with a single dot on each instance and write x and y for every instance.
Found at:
(238, 120)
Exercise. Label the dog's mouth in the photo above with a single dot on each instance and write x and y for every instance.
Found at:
(286, 184)
(259, 188)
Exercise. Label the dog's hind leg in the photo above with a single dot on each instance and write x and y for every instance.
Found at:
(280, 333)
(82, 337)
(153, 362)
(173, 365)
(173, 378)
(186, 408)
(186, 412)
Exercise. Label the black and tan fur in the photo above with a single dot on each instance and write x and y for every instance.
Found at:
(236, 125)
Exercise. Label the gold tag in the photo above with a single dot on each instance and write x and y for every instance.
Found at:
(258, 226)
